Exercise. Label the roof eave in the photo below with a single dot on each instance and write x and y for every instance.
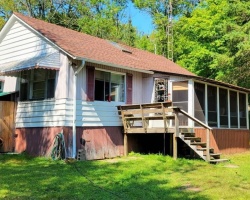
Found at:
(115, 65)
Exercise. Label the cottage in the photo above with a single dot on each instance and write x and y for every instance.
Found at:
(72, 82)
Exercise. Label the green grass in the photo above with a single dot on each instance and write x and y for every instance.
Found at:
(133, 177)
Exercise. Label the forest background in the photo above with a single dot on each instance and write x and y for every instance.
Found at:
(211, 37)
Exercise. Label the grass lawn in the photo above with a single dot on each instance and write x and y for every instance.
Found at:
(133, 177)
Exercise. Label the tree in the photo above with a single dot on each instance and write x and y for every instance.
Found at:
(214, 41)
(159, 10)
(105, 19)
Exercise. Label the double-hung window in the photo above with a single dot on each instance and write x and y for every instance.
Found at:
(37, 84)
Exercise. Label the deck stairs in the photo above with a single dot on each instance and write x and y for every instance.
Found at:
(200, 147)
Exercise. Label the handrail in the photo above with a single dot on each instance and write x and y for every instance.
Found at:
(178, 110)
(194, 119)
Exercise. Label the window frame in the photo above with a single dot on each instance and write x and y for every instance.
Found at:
(110, 74)
(29, 80)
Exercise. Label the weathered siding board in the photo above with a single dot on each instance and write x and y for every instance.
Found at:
(21, 43)
(49, 113)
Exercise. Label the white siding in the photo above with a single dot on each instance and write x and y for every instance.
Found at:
(49, 113)
(21, 43)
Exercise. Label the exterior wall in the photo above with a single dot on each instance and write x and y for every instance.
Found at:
(63, 79)
(39, 141)
(226, 141)
(21, 43)
(50, 113)
(101, 142)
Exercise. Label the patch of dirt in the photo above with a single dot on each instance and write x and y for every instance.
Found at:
(232, 166)
(189, 187)
(122, 159)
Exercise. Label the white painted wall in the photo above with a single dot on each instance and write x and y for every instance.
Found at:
(49, 113)
(21, 43)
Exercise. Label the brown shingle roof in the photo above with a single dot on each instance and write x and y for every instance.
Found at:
(81, 45)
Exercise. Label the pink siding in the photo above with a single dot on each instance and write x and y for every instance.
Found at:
(101, 142)
(227, 141)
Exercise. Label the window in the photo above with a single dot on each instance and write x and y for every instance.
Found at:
(212, 106)
(233, 109)
(199, 102)
(37, 84)
(109, 86)
(242, 110)
(180, 99)
(161, 90)
(223, 107)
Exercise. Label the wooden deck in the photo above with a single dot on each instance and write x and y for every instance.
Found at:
(140, 118)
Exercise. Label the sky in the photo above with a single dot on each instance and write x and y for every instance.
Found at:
(141, 20)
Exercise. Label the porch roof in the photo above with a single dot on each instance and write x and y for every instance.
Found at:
(45, 61)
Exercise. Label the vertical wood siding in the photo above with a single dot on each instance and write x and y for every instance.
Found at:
(227, 141)
(21, 43)
(101, 142)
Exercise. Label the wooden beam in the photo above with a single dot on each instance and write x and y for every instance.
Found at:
(176, 135)
(125, 144)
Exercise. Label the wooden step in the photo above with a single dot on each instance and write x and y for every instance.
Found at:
(203, 144)
(197, 139)
(211, 150)
(188, 134)
(215, 161)
(215, 155)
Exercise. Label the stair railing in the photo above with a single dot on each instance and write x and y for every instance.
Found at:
(208, 129)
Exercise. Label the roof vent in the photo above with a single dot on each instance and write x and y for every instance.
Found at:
(120, 47)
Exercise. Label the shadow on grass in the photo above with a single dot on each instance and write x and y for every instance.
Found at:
(25, 177)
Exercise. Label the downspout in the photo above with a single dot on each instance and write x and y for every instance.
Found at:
(76, 71)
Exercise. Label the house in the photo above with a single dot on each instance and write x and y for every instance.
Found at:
(72, 82)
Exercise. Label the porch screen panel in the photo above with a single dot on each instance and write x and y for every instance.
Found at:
(212, 106)
(223, 107)
(243, 110)
(233, 109)
(199, 102)
(180, 99)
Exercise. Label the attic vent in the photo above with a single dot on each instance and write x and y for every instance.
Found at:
(120, 47)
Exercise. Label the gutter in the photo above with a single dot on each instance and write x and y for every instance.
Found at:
(76, 71)
(116, 65)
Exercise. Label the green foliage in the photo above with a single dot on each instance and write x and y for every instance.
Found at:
(213, 42)
(133, 177)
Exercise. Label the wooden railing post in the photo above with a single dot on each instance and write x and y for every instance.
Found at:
(208, 145)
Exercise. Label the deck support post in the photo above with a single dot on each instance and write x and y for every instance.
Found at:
(208, 146)
(125, 144)
(176, 135)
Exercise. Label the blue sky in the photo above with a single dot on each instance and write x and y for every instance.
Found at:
(140, 19)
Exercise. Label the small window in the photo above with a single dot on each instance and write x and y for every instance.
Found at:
(161, 90)
(233, 109)
(37, 84)
(212, 106)
(242, 109)
(223, 107)
(199, 101)
(109, 86)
